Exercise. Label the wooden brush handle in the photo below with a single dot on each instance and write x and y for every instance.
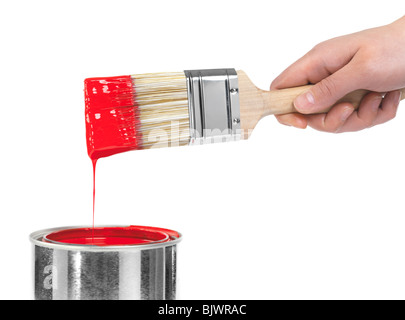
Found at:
(282, 101)
(256, 103)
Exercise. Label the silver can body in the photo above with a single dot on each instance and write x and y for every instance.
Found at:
(82, 272)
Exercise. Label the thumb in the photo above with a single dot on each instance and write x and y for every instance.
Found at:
(327, 92)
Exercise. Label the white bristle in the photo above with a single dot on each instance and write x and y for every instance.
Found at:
(163, 108)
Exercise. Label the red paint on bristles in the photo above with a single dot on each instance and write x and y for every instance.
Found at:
(112, 116)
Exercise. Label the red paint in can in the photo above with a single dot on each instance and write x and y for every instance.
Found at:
(112, 236)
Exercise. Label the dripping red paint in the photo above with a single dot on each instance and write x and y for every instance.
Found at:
(94, 162)
(112, 125)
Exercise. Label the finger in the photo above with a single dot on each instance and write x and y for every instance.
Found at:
(369, 106)
(329, 90)
(320, 62)
(293, 119)
(333, 120)
(389, 107)
(303, 71)
(365, 116)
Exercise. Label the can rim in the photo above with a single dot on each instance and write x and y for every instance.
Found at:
(37, 236)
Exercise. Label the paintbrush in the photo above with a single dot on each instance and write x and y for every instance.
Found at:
(182, 108)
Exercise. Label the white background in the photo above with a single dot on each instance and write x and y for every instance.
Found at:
(288, 214)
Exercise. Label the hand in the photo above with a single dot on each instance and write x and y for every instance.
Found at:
(372, 59)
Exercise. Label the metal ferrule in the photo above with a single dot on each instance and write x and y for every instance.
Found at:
(213, 99)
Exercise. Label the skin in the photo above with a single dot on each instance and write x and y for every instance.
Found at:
(372, 59)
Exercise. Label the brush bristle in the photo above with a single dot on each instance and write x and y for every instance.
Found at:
(163, 109)
(136, 112)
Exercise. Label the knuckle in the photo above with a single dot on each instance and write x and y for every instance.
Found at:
(391, 114)
(320, 46)
(318, 50)
(331, 127)
(315, 53)
(368, 68)
(365, 123)
(326, 87)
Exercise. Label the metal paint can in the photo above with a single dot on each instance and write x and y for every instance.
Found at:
(145, 270)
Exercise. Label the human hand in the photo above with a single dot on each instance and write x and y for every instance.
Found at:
(372, 59)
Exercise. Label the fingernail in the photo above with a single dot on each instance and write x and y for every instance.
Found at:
(346, 114)
(304, 101)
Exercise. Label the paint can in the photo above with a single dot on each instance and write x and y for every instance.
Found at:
(105, 263)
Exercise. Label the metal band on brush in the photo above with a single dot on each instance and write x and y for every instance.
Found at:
(213, 100)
